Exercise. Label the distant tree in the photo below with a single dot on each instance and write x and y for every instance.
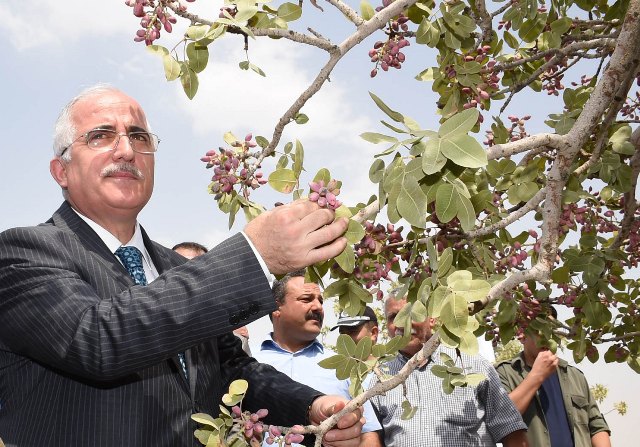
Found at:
(456, 255)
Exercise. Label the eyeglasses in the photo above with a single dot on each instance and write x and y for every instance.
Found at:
(106, 140)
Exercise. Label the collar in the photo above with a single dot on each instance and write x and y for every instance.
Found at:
(519, 363)
(271, 345)
(113, 243)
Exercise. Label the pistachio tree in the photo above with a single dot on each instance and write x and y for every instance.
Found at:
(444, 223)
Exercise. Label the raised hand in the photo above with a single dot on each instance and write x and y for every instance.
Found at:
(296, 235)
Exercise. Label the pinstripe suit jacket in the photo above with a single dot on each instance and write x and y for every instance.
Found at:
(87, 358)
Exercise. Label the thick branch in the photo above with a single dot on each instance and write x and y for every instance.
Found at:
(378, 389)
(378, 21)
(531, 205)
(483, 20)
(551, 140)
(348, 12)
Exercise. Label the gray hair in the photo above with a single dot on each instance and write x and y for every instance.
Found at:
(280, 286)
(65, 131)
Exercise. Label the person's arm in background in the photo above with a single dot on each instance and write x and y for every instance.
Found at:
(545, 365)
(516, 439)
(371, 439)
(601, 439)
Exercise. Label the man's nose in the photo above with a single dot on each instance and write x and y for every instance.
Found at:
(123, 149)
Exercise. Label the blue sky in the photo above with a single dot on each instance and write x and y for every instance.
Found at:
(53, 49)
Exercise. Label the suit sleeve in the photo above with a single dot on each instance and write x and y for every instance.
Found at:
(287, 400)
(66, 307)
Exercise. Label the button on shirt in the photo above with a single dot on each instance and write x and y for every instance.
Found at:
(302, 366)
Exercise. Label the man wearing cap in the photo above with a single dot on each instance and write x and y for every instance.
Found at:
(360, 326)
(293, 347)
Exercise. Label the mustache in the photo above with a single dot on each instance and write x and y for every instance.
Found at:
(314, 316)
(122, 167)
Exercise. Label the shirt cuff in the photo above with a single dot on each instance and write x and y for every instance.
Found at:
(270, 278)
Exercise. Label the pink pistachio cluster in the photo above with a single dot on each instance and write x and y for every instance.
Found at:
(388, 54)
(290, 438)
(325, 196)
(375, 254)
(517, 131)
(250, 423)
(153, 18)
(233, 167)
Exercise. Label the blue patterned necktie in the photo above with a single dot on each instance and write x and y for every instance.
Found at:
(131, 258)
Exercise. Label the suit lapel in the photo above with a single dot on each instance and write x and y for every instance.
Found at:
(66, 218)
(163, 262)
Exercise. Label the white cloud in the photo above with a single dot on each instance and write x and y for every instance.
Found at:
(54, 22)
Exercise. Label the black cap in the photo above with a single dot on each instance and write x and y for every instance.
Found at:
(348, 321)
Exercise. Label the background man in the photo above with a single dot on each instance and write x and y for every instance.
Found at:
(553, 398)
(360, 326)
(472, 416)
(192, 249)
(293, 347)
(89, 354)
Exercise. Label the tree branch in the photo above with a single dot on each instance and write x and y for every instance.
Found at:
(551, 140)
(348, 12)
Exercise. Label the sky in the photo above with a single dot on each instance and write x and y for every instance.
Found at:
(54, 49)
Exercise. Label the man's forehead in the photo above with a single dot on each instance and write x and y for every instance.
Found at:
(392, 305)
(108, 105)
(296, 286)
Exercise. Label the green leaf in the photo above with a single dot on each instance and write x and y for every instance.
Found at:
(407, 410)
(418, 312)
(204, 419)
(257, 70)
(445, 262)
(189, 81)
(460, 275)
(347, 259)
(511, 40)
(469, 344)
(397, 117)
(620, 141)
(289, 12)
(301, 118)
(283, 180)
(459, 124)
(231, 399)
(465, 151)
(345, 345)
(454, 314)
(332, 362)
(337, 288)
(437, 298)
(366, 10)
(322, 174)
(376, 171)
(298, 159)
(433, 160)
(472, 290)
(446, 202)
(562, 25)
(197, 32)
(475, 379)
(412, 202)
(157, 49)
(171, 68)
(198, 56)
(355, 232)
(376, 138)
(363, 348)
(466, 213)
(531, 29)
(239, 386)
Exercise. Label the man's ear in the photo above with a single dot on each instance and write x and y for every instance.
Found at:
(58, 172)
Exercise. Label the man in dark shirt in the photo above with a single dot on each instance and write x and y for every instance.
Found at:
(553, 398)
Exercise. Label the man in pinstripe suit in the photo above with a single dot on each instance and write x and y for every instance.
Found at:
(88, 357)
